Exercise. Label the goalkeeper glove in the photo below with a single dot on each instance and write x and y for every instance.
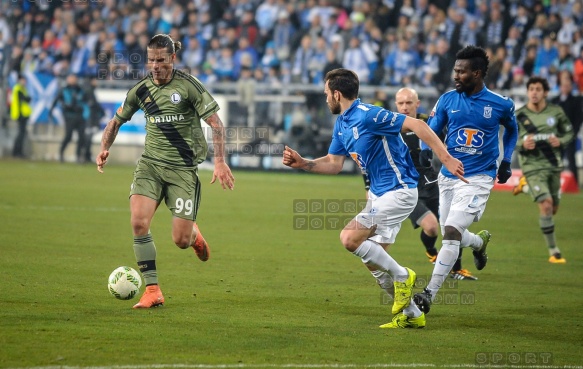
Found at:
(504, 171)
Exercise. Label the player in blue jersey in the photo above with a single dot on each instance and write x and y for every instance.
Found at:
(472, 116)
(370, 135)
(426, 212)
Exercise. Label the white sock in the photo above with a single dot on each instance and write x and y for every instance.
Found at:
(472, 240)
(384, 281)
(412, 311)
(374, 255)
(447, 256)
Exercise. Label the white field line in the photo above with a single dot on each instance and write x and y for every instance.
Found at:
(307, 366)
(66, 208)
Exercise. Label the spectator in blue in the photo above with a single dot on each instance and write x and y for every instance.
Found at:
(194, 55)
(157, 24)
(401, 65)
(269, 58)
(317, 61)
(79, 56)
(266, 16)
(213, 52)
(493, 29)
(355, 60)
(546, 54)
(299, 69)
(283, 35)
(207, 75)
(564, 61)
(246, 55)
(224, 65)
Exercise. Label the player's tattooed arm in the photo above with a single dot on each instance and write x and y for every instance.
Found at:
(310, 165)
(329, 164)
(110, 133)
(218, 129)
(222, 171)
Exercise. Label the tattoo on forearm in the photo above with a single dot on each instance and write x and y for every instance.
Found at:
(109, 134)
(310, 165)
(218, 136)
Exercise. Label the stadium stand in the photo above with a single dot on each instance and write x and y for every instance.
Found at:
(288, 44)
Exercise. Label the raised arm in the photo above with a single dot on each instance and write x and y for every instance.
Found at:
(222, 170)
(329, 164)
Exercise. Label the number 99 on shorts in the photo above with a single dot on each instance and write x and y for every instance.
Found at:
(183, 207)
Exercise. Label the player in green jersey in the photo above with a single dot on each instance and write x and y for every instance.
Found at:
(544, 130)
(174, 103)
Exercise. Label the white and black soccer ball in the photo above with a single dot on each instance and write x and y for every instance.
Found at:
(124, 283)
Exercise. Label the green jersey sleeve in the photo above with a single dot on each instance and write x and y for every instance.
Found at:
(202, 101)
(129, 106)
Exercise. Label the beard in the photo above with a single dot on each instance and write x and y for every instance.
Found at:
(464, 88)
(334, 106)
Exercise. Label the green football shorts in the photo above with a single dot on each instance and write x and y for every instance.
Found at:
(178, 187)
(543, 184)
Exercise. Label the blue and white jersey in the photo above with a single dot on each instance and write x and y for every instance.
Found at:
(370, 135)
(472, 124)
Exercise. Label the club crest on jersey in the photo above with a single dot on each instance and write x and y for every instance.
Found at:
(487, 112)
(355, 133)
(175, 98)
(551, 121)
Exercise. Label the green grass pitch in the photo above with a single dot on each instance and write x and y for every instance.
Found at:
(272, 295)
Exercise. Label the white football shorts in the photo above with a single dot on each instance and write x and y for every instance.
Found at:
(460, 203)
(387, 212)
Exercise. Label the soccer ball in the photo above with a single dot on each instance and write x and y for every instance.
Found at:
(124, 283)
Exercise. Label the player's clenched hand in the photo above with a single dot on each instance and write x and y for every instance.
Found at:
(101, 160)
(529, 143)
(554, 141)
(291, 158)
(504, 172)
(455, 167)
(223, 173)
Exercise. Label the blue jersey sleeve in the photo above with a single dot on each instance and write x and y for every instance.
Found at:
(510, 135)
(384, 122)
(337, 146)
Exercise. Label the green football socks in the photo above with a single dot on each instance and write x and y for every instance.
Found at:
(145, 252)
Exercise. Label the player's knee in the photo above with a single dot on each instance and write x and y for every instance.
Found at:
(546, 206)
(431, 230)
(349, 241)
(140, 226)
(182, 240)
(452, 233)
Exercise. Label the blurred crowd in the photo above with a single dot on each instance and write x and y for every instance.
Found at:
(387, 42)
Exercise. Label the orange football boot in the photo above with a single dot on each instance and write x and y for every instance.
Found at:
(201, 248)
(152, 297)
